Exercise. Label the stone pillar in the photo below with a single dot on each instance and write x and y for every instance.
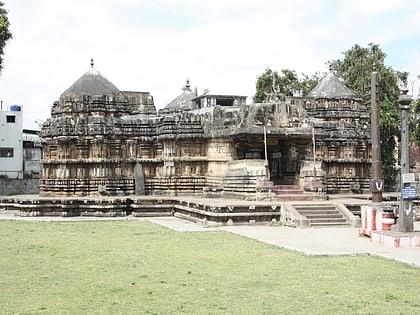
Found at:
(139, 179)
(372, 211)
(377, 183)
(406, 219)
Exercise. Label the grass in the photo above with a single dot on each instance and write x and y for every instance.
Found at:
(135, 267)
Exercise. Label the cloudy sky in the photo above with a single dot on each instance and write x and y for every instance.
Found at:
(220, 45)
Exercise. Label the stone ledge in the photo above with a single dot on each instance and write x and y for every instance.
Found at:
(396, 239)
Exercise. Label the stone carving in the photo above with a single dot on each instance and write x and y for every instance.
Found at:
(103, 141)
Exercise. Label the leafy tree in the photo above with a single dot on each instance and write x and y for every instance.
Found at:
(5, 33)
(287, 83)
(263, 81)
(415, 121)
(355, 69)
(309, 82)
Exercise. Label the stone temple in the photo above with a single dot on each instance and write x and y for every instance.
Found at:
(100, 140)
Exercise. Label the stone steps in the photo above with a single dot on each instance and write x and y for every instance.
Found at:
(322, 215)
(294, 197)
(287, 189)
(291, 193)
(328, 221)
(355, 209)
(330, 224)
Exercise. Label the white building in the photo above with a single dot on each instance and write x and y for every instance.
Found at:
(32, 154)
(11, 146)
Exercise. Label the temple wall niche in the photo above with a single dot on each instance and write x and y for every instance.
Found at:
(219, 152)
(220, 149)
(216, 169)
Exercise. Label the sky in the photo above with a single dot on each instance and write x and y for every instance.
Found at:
(219, 45)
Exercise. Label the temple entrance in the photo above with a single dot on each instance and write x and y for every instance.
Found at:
(282, 161)
(283, 156)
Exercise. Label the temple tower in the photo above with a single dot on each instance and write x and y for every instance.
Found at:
(344, 151)
(91, 143)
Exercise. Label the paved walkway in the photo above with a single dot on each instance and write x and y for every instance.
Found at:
(313, 241)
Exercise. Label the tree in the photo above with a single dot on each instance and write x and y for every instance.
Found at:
(286, 83)
(5, 33)
(355, 69)
(309, 82)
(265, 80)
(415, 121)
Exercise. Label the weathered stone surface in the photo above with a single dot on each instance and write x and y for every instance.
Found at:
(332, 88)
(10, 187)
(98, 136)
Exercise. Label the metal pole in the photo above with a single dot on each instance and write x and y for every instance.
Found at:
(267, 171)
(265, 144)
(406, 218)
(314, 149)
(377, 183)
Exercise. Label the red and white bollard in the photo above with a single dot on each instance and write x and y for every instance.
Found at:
(376, 218)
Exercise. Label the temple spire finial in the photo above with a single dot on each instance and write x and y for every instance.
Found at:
(91, 63)
(187, 86)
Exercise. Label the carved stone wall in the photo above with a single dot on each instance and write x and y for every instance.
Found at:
(345, 150)
(100, 140)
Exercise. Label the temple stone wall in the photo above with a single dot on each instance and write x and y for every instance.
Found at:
(345, 150)
(103, 141)
(243, 176)
(10, 187)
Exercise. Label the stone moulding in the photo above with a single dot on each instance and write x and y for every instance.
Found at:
(101, 134)
(206, 211)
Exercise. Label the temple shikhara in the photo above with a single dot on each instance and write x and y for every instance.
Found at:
(101, 140)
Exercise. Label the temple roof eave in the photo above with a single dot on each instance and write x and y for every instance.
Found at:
(285, 133)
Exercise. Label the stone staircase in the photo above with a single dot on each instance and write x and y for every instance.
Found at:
(322, 215)
(355, 209)
(291, 193)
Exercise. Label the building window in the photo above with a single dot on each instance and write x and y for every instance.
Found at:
(6, 152)
(28, 144)
(10, 118)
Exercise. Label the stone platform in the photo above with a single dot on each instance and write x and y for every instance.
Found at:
(292, 193)
(381, 226)
(211, 211)
(396, 239)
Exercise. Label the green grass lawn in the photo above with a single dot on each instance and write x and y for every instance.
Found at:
(135, 267)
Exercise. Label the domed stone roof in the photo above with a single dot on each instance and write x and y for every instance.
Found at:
(331, 87)
(91, 83)
(183, 101)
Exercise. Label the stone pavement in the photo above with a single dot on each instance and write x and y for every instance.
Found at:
(313, 241)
